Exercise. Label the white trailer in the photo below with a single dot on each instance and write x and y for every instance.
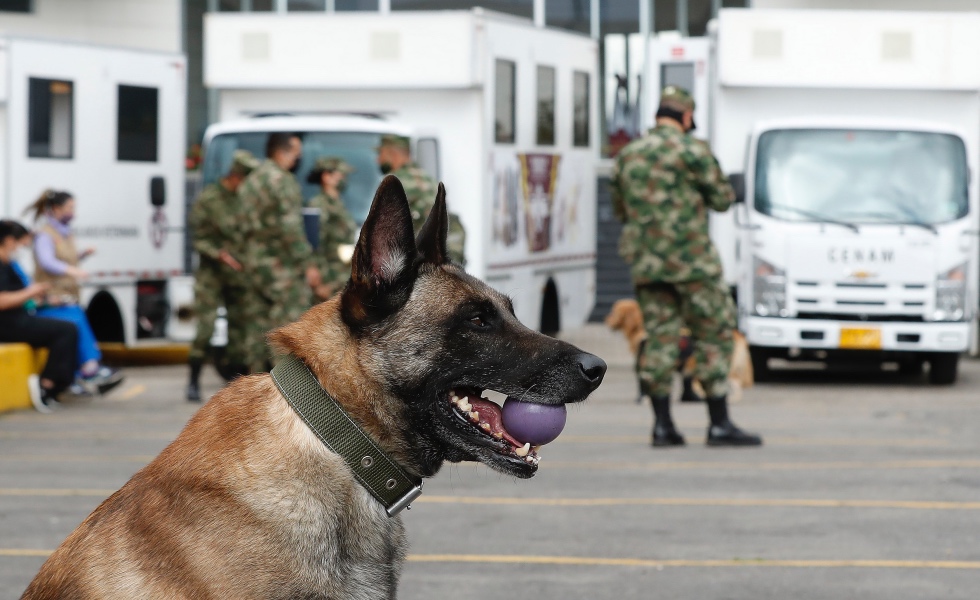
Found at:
(107, 125)
(853, 136)
(508, 108)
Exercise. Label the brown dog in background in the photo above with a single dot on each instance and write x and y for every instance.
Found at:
(248, 503)
(627, 318)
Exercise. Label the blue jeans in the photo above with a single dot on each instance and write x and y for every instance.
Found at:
(88, 347)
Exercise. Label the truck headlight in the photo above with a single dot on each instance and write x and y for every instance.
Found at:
(769, 289)
(951, 295)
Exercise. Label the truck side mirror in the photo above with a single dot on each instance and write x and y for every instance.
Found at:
(737, 181)
(158, 191)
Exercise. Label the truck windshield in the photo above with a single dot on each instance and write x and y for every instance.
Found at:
(861, 176)
(358, 149)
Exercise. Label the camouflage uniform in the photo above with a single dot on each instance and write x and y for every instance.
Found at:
(336, 227)
(216, 221)
(663, 185)
(276, 256)
(421, 192)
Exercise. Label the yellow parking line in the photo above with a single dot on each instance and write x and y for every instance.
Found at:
(641, 562)
(130, 393)
(88, 435)
(759, 466)
(776, 441)
(744, 502)
(24, 552)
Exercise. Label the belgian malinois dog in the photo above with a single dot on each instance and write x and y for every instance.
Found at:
(248, 503)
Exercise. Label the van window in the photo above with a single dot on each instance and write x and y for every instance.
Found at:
(546, 106)
(580, 109)
(138, 123)
(356, 148)
(504, 86)
(50, 107)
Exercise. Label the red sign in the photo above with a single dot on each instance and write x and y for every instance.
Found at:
(677, 52)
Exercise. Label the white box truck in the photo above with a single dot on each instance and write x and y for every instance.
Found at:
(502, 111)
(853, 137)
(107, 125)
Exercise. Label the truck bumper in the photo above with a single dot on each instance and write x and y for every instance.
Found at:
(826, 335)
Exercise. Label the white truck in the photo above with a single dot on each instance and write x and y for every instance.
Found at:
(107, 125)
(501, 111)
(852, 138)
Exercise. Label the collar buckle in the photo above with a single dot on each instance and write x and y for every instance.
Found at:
(405, 502)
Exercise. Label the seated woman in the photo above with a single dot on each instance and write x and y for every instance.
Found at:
(18, 325)
(56, 262)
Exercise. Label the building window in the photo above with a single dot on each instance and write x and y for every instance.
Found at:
(580, 109)
(263, 5)
(49, 118)
(505, 82)
(546, 106)
(229, 5)
(21, 6)
(138, 125)
(520, 8)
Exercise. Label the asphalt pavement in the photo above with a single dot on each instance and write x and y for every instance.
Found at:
(868, 486)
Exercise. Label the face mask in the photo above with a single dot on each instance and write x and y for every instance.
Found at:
(293, 169)
(385, 168)
(341, 186)
(66, 219)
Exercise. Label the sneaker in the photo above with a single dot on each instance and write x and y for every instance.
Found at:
(103, 380)
(79, 389)
(37, 394)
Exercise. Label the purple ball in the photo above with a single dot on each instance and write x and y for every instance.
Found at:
(534, 423)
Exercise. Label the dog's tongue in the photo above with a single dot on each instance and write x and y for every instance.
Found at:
(490, 414)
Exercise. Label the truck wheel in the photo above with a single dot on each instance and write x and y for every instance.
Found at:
(760, 364)
(943, 367)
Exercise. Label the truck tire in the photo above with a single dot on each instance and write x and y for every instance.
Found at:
(760, 364)
(911, 368)
(943, 368)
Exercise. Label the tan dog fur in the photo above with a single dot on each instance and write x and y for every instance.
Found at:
(626, 317)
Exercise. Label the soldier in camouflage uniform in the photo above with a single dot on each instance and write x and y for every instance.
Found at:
(278, 259)
(336, 225)
(394, 157)
(215, 221)
(663, 185)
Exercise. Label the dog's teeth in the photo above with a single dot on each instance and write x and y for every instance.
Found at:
(498, 435)
(485, 426)
(464, 405)
(455, 399)
(475, 416)
(523, 450)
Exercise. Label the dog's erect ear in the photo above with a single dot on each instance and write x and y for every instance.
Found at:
(384, 262)
(432, 237)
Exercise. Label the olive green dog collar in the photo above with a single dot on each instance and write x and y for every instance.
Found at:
(372, 467)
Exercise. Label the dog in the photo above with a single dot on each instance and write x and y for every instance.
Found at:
(248, 503)
(627, 317)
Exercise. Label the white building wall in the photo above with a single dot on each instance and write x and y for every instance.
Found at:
(144, 24)
(926, 5)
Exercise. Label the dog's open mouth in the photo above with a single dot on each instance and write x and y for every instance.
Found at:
(485, 417)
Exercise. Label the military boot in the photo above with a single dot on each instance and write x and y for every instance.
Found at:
(664, 432)
(722, 432)
(194, 385)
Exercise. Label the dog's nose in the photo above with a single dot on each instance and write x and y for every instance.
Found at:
(593, 368)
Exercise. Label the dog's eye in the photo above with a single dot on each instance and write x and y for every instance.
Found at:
(479, 322)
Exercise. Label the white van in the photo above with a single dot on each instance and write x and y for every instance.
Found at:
(853, 136)
(504, 113)
(107, 125)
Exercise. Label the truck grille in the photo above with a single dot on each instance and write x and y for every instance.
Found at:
(859, 301)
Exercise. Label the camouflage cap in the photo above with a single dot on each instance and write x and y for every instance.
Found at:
(677, 98)
(242, 163)
(331, 164)
(398, 141)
